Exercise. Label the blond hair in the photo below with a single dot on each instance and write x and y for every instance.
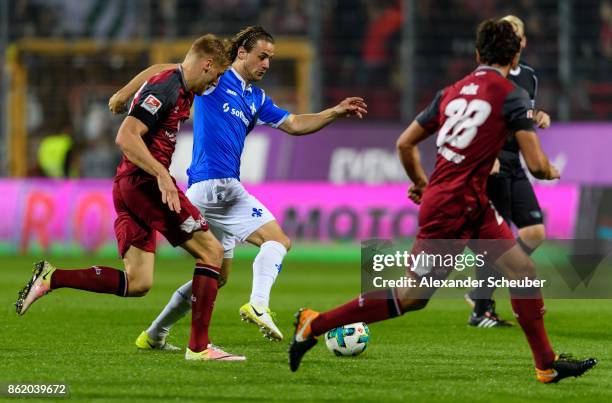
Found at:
(212, 46)
(517, 23)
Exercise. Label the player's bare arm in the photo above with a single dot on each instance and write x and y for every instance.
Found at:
(129, 140)
(118, 102)
(298, 125)
(411, 160)
(536, 160)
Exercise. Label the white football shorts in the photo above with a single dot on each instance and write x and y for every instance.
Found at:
(232, 212)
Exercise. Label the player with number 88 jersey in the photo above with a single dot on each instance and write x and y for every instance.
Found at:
(473, 118)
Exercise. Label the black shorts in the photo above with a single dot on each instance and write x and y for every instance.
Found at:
(512, 194)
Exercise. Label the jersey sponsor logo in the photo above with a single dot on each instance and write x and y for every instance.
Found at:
(171, 136)
(450, 155)
(470, 89)
(151, 104)
(238, 113)
(231, 92)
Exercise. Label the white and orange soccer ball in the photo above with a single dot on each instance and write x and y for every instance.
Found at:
(348, 340)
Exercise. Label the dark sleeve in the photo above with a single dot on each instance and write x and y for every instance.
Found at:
(518, 112)
(155, 99)
(530, 82)
(429, 118)
(535, 90)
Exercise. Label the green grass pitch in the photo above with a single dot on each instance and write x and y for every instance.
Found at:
(87, 341)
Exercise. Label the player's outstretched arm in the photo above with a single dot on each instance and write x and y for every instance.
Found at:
(129, 140)
(411, 160)
(118, 102)
(299, 125)
(537, 162)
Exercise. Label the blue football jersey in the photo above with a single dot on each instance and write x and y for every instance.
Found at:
(222, 116)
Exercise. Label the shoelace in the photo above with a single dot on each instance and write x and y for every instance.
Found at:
(564, 356)
(492, 313)
(218, 349)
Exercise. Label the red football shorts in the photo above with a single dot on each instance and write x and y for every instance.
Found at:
(141, 212)
(484, 232)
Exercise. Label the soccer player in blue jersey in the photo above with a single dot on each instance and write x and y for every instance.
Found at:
(223, 117)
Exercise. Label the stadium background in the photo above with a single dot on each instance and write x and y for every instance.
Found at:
(62, 59)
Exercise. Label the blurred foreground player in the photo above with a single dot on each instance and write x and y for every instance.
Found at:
(473, 117)
(147, 199)
(512, 195)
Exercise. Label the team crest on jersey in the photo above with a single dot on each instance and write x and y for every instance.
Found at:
(253, 109)
(151, 104)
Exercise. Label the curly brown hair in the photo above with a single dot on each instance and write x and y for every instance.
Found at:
(496, 42)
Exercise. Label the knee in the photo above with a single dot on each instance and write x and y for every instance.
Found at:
(533, 236)
(286, 242)
(211, 253)
(526, 268)
(281, 239)
(413, 304)
(138, 287)
(217, 253)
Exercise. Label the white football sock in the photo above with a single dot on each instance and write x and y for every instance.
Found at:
(175, 309)
(266, 266)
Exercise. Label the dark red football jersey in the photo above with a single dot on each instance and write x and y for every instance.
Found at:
(473, 118)
(162, 103)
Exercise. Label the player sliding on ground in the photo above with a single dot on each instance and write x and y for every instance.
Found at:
(147, 199)
(472, 118)
(223, 117)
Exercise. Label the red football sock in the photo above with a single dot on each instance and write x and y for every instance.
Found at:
(204, 293)
(369, 308)
(529, 311)
(95, 279)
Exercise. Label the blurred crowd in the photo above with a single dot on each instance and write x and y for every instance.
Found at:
(359, 53)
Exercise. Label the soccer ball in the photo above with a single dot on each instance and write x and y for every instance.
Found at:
(348, 340)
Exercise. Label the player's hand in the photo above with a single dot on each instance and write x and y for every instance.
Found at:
(496, 166)
(415, 192)
(553, 173)
(117, 103)
(169, 192)
(353, 106)
(542, 119)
